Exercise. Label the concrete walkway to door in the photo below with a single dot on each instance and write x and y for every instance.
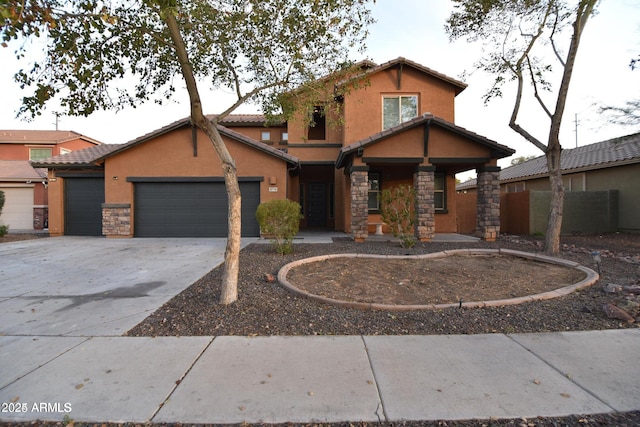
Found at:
(92, 286)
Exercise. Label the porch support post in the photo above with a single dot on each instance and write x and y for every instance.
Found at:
(488, 204)
(359, 202)
(424, 185)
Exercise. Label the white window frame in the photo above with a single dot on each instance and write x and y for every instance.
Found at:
(400, 117)
(265, 136)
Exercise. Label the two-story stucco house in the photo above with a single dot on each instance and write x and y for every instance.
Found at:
(397, 128)
(25, 187)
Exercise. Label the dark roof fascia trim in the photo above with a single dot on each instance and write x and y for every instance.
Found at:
(89, 174)
(318, 163)
(313, 145)
(397, 160)
(458, 160)
(140, 179)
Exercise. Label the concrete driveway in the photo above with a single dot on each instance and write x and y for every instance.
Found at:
(91, 286)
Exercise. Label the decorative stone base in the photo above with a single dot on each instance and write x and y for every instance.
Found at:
(116, 220)
(40, 218)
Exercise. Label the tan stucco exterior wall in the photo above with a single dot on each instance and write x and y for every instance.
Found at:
(363, 107)
(171, 155)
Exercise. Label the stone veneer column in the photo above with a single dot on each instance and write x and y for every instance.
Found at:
(424, 184)
(116, 220)
(359, 202)
(488, 204)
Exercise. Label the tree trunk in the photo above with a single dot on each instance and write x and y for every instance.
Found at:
(554, 224)
(229, 292)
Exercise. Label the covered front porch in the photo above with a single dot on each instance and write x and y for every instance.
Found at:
(425, 153)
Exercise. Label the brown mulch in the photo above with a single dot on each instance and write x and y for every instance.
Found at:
(446, 280)
(16, 237)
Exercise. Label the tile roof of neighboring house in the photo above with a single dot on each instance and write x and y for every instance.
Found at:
(20, 170)
(41, 137)
(93, 155)
(428, 118)
(87, 157)
(612, 152)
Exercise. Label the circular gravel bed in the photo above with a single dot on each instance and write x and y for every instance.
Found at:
(357, 301)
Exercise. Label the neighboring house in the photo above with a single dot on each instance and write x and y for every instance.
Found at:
(25, 187)
(398, 128)
(608, 165)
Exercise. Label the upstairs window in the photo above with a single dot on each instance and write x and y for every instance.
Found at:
(398, 109)
(265, 136)
(318, 127)
(37, 154)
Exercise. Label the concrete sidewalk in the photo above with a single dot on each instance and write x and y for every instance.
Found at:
(318, 379)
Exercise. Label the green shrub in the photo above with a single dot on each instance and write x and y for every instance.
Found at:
(398, 210)
(280, 221)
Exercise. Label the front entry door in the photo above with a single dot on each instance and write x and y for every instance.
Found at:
(317, 211)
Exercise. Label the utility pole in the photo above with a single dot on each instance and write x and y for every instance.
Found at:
(57, 119)
(576, 128)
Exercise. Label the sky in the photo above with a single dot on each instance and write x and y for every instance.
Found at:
(414, 29)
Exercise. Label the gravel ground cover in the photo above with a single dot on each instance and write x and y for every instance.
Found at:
(264, 308)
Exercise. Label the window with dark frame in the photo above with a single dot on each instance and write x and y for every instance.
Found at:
(318, 128)
(374, 192)
(440, 192)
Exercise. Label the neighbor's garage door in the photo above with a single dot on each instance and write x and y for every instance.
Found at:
(83, 206)
(18, 208)
(191, 209)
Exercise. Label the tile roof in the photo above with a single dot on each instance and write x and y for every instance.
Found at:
(93, 155)
(428, 118)
(41, 136)
(80, 158)
(371, 68)
(609, 153)
(20, 170)
(594, 156)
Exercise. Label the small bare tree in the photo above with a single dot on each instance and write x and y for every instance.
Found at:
(514, 32)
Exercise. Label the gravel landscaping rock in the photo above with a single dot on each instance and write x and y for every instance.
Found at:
(265, 308)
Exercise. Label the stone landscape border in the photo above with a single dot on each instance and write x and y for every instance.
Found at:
(591, 278)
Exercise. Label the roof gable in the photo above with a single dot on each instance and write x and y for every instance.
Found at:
(402, 62)
(428, 119)
(94, 155)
